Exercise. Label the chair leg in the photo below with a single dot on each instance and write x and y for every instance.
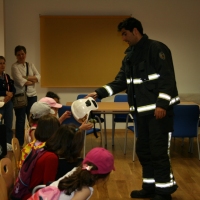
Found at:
(102, 137)
(105, 130)
(198, 145)
(134, 146)
(191, 142)
(84, 145)
(125, 139)
(113, 129)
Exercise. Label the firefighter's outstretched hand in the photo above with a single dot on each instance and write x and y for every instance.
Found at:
(86, 126)
(93, 95)
(159, 113)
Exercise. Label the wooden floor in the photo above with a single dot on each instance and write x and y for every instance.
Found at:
(127, 177)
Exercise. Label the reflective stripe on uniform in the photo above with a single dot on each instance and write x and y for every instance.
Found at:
(148, 180)
(166, 185)
(146, 108)
(174, 100)
(152, 106)
(139, 80)
(164, 96)
(143, 108)
(108, 89)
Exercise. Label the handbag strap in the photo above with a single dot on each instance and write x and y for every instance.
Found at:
(26, 75)
(7, 81)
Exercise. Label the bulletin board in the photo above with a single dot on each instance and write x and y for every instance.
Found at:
(80, 51)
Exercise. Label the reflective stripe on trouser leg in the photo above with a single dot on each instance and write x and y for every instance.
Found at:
(171, 185)
(153, 152)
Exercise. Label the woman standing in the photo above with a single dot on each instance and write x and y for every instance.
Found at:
(25, 76)
(7, 90)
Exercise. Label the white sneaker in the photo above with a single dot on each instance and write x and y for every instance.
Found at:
(9, 147)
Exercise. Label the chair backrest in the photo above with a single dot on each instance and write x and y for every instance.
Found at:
(70, 120)
(17, 154)
(186, 119)
(120, 98)
(3, 145)
(6, 170)
(3, 189)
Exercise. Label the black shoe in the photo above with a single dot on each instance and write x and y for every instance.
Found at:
(142, 194)
(162, 197)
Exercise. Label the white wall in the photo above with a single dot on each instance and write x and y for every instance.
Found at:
(175, 23)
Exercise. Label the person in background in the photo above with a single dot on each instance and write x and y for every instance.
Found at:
(147, 74)
(7, 90)
(53, 96)
(78, 183)
(47, 125)
(24, 83)
(67, 144)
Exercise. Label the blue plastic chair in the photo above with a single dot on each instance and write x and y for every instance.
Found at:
(72, 120)
(119, 118)
(186, 121)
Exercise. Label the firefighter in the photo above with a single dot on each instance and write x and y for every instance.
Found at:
(147, 75)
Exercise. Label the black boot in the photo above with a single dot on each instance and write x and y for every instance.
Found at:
(162, 197)
(142, 194)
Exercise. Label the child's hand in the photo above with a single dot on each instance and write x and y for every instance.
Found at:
(86, 126)
(66, 114)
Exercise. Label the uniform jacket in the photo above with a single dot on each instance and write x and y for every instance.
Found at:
(147, 75)
(5, 84)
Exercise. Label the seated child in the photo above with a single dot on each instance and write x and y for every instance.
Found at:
(78, 183)
(46, 126)
(67, 143)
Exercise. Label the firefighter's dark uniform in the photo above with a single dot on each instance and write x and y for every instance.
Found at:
(147, 75)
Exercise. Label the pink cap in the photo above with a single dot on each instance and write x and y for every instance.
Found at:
(51, 102)
(102, 158)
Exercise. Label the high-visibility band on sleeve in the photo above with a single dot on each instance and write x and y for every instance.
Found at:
(164, 96)
(146, 108)
(109, 90)
(174, 100)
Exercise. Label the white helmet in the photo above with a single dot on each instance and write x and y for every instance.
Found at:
(81, 108)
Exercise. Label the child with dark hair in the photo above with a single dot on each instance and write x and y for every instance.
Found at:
(67, 143)
(46, 126)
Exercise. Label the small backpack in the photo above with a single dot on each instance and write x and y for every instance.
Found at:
(21, 187)
(46, 193)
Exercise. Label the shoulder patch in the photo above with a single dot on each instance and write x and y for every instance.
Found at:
(162, 55)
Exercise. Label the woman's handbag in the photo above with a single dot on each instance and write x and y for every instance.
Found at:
(20, 100)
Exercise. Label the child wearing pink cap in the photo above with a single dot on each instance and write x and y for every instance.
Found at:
(78, 183)
(55, 106)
